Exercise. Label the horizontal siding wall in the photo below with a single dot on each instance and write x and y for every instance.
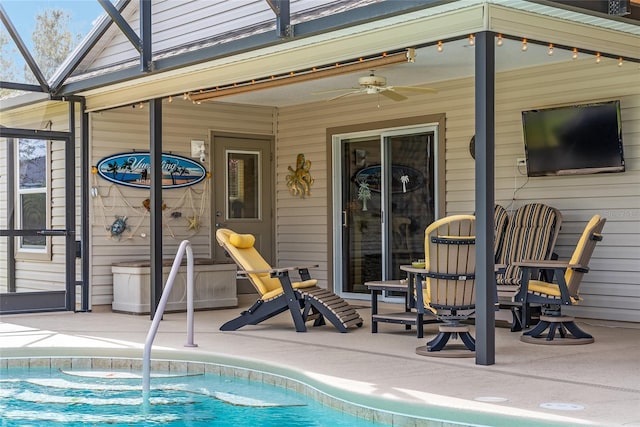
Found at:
(127, 129)
(610, 291)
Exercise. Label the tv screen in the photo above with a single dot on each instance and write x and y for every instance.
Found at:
(576, 139)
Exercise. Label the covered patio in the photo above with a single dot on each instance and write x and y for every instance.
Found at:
(472, 53)
(529, 385)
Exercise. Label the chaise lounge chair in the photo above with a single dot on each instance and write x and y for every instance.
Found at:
(531, 234)
(304, 299)
(446, 286)
(553, 296)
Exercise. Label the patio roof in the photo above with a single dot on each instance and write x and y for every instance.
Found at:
(332, 33)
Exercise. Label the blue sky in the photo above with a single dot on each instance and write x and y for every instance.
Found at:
(22, 14)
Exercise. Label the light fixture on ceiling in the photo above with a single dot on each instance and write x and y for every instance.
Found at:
(499, 41)
(524, 45)
(575, 53)
(620, 62)
(472, 39)
(318, 72)
(598, 57)
(550, 51)
(440, 47)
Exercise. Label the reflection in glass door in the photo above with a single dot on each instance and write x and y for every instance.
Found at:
(387, 199)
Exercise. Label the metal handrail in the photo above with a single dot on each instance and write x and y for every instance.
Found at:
(146, 358)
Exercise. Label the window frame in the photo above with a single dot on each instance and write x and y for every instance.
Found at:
(34, 253)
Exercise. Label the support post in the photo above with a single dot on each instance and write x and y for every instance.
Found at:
(155, 154)
(485, 197)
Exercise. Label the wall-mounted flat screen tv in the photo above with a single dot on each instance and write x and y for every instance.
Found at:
(576, 139)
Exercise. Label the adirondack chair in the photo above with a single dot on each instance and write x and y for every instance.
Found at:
(277, 293)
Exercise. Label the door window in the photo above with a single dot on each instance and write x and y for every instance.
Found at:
(243, 189)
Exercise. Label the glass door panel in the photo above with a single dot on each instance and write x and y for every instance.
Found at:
(412, 200)
(361, 202)
(387, 198)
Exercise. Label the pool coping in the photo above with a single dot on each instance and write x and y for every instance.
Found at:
(368, 407)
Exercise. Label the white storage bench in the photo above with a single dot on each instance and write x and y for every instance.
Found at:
(214, 286)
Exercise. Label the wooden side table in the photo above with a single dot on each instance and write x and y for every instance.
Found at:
(408, 317)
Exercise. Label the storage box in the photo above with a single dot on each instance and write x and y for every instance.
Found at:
(214, 286)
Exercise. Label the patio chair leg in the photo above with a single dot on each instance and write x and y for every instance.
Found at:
(439, 341)
(468, 340)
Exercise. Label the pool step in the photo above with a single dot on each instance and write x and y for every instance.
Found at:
(236, 399)
(120, 375)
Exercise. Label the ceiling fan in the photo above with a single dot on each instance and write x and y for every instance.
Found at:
(373, 84)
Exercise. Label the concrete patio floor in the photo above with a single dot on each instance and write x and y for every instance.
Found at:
(594, 384)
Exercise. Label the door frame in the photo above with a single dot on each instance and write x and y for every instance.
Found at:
(333, 176)
(268, 190)
(28, 302)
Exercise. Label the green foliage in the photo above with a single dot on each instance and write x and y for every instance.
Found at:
(7, 66)
(52, 42)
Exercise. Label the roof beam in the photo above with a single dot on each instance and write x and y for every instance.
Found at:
(146, 63)
(256, 41)
(122, 24)
(23, 50)
(283, 17)
(78, 56)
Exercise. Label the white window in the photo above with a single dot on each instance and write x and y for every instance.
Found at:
(32, 213)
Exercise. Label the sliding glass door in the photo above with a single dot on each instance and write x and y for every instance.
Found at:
(385, 191)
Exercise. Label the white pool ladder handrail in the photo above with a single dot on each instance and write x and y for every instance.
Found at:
(146, 358)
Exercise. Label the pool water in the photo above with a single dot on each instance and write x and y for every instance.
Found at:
(70, 398)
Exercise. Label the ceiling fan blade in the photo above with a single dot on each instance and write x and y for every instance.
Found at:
(415, 89)
(353, 92)
(389, 93)
(321, 92)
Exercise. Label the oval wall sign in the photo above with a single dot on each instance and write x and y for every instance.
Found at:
(134, 170)
(403, 178)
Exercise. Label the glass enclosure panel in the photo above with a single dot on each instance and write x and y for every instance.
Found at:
(362, 231)
(243, 185)
(32, 256)
(412, 197)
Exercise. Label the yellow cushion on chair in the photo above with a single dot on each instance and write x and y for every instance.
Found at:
(242, 241)
(547, 289)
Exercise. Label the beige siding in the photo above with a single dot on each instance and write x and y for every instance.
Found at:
(610, 291)
(127, 129)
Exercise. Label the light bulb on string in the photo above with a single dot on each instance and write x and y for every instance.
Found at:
(550, 52)
(575, 53)
(440, 47)
(499, 41)
(472, 40)
(524, 45)
(620, 62)
(598, 58)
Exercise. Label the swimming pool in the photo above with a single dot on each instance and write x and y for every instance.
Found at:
(74, 392)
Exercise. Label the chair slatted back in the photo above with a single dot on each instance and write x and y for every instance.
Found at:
(501, 222)
(450, 258)
(591, 235)
(531, 235)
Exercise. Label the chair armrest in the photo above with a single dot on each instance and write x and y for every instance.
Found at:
(545, 264)
(278, 270)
